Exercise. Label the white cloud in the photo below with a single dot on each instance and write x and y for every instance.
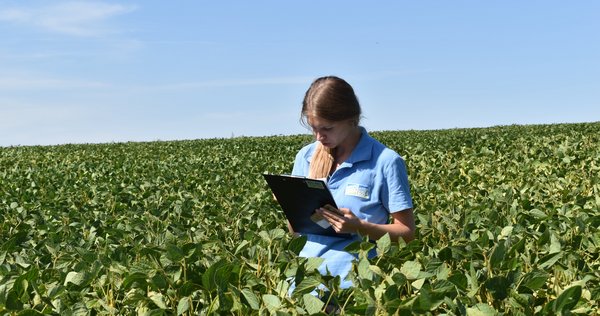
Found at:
(71, 18)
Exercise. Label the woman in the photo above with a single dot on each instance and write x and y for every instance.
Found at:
(368, 180)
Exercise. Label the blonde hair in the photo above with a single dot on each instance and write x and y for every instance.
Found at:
(321, 162)
(333, 99)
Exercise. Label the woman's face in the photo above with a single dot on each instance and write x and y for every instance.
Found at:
(330, 133)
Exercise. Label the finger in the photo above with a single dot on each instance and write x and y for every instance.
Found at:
(345, 210)
(334, 212)
(332, 209)
(332, 218)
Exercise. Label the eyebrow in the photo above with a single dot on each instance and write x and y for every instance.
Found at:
(321, 127)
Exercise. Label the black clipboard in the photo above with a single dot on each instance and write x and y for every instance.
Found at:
(299, 197)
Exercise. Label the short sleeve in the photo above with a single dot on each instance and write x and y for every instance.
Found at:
(301, 163)
(396, 189)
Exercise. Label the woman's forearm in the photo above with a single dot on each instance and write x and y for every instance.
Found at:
(395, 230)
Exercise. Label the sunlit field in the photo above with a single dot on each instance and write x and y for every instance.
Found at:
(507, 221)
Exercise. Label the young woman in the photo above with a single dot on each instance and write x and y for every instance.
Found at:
(368, 180)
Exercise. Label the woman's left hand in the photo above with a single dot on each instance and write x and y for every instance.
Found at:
(342, 220)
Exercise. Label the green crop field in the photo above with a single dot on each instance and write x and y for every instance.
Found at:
(507, 221)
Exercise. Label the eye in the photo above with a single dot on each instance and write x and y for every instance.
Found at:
(322, 129)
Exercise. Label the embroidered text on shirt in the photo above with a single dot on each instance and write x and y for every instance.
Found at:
(358, 190)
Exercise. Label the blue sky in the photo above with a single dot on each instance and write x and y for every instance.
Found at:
(112, 71)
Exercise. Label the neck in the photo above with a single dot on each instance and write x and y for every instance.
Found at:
(343, 150)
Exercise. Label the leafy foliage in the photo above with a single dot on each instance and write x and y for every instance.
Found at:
(507, 222)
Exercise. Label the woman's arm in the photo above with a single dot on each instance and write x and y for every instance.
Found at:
(403, 224)
(291, 230)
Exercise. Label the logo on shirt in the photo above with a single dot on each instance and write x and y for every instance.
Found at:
(358, 190)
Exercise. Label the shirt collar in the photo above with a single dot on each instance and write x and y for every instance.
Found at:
(361, 152)
(363, 149)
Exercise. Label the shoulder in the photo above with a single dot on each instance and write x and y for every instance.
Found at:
(383, 154)
(374, 153)
(302, 160)
(305, 153)
(387, 161)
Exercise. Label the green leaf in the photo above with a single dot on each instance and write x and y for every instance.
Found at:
(174, 253)
(444, 286)
(445, 254)
(183, 305)
(481, 309)
(554, 244)
(418, 284)
(517, 247)
(383, 244)
(307, 285)
(313, 263)
(364, 270)
(217, 275)
(251, 298)
(283, 288)
(534, 280)
(241, 246)
(428, 300)
(549, 260)
(277, 233)
(264, 235)
(399, 278)
(312, 304)
(136, 279)
(391, 293)
(158, 299)
(272, 302)
(498, 254)
(353, 247)
(29, 312)
(459, 280)
(567, 299)
(537, 214)
(158, 281)
(411, 269)
(77, 278)
(506, 232)
(16, 239)
(498, 286)
(472, 281)
(296, 244)
(13, 302)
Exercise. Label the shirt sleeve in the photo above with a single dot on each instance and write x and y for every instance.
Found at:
(396, 188)
(300, 164)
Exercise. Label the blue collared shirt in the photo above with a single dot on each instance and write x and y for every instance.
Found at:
(372, 183)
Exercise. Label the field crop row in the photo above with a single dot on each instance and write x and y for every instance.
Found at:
(507, 221)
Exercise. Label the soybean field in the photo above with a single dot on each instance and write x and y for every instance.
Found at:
(507, 223)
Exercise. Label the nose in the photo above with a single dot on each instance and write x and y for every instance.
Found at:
(319, 136)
